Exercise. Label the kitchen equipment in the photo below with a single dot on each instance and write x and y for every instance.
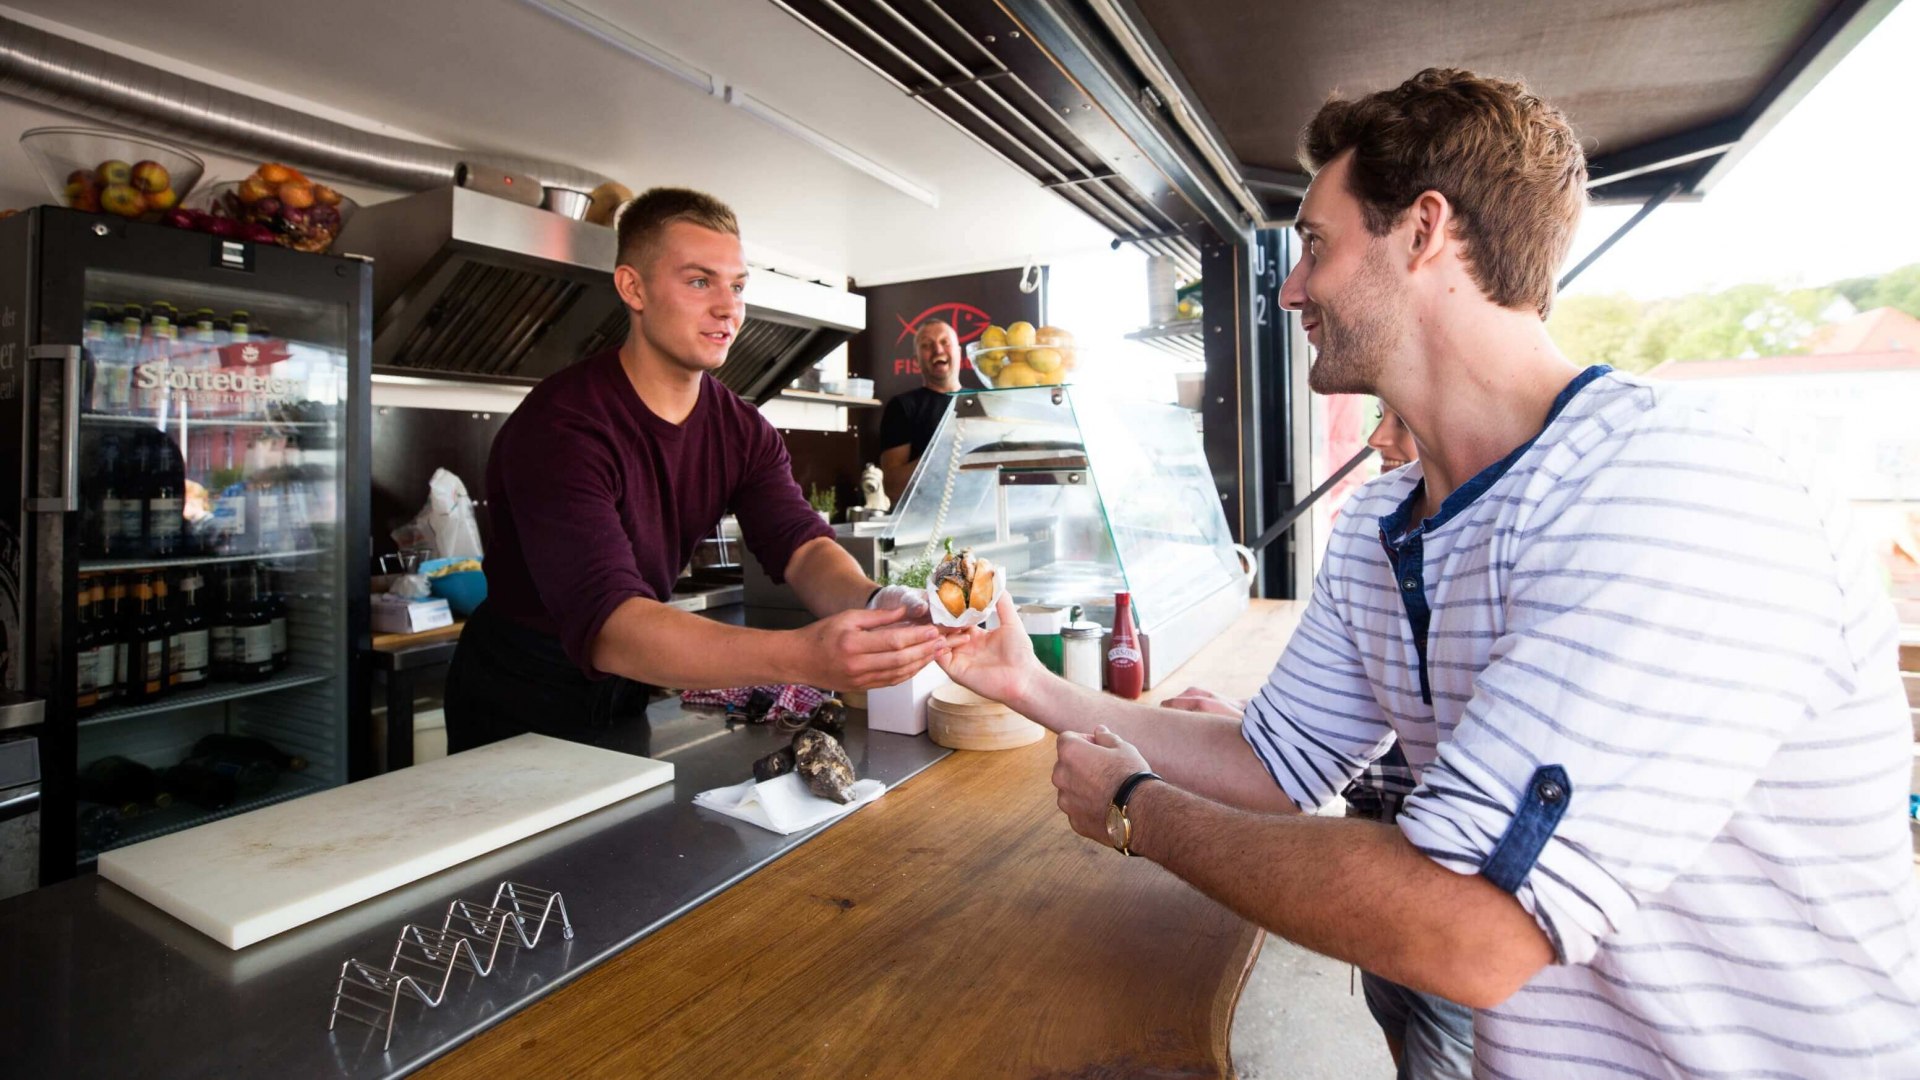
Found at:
(222, 388)
(959, 719)
(567, 202)
(499, 183)
(466, 285)
(1078, 497)
(19, 816)
(248, 878)
(424, 958)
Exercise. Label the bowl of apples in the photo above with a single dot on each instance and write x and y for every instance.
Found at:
(276, 204)
(109, 172)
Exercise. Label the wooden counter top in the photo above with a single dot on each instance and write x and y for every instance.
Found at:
(957, 927)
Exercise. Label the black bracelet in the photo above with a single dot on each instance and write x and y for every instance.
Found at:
(874, 593)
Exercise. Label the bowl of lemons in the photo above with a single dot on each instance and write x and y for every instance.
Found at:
(1023, 355)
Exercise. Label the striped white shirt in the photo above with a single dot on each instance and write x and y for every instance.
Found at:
(1647, 598)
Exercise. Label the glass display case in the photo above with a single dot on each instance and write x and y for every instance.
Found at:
(1080, 496)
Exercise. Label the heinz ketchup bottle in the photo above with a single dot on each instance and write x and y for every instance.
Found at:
(1126, 675)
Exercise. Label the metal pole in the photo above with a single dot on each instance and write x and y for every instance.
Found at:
(1639, 215)
(1287, 519)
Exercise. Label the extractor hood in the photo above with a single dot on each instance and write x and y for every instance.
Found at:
(471, 287)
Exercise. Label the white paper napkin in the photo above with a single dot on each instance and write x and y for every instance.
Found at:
(784, 804)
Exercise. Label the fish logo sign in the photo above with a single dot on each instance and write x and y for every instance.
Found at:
(968, 321)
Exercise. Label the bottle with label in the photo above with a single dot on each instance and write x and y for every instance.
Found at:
(119, 373)
(146, 647)
(193, 650)
(169, 625)
(159, 342)
(252, 635)
(221, 630)
(1126, 674)
(229, 527)
(119, 619)
(277, 622)
(119, 514)
(86, 651)
(165, 498)
(106, 639)
(245, 748)
(102, 345)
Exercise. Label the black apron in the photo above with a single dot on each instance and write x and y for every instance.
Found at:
(506, 680)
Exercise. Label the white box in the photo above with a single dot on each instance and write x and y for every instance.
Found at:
(902, 708)
(399, 615)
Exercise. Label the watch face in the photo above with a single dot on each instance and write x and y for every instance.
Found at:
(1116, 827)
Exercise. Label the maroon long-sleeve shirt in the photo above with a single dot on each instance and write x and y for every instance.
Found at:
(595, 499)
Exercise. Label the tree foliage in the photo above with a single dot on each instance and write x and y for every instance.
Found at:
(1745, 320)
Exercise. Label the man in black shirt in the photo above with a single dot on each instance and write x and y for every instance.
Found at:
(911, 418)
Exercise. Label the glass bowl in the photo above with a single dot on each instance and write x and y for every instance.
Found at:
(300, 228)
(1028, 365)
(78, 163)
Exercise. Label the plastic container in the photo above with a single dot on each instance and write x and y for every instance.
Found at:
(462, 590)
(70, 160)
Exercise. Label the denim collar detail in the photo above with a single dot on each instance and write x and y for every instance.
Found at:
(1394, 525)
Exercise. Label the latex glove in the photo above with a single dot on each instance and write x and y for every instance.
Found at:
(911, 602)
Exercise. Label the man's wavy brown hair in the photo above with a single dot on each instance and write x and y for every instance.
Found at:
(1507, 161)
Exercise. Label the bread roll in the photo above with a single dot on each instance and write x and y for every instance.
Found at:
(981, 594)
(954, 597)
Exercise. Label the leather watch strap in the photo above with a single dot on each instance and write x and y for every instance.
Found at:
(1121, 796)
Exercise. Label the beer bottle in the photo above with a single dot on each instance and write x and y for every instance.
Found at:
(119, 373)
(106, 637)
(146, 647)
(252, 634)
(165, 481)
(119, 512)
(277, 624)
(193, 654)
(222, 630)
(86, 651)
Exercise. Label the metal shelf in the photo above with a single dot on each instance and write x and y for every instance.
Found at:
(108, 566)
(1183, 339)
(818, 398)
(185, 815)
(215, 692)
(216, 421)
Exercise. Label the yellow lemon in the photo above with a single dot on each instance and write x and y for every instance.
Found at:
(1044, 360)
(990, 361)
(1052, 335)
(993, 337)
(1020, 334)
(1017, 375)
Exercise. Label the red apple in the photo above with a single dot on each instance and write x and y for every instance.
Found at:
(81, 176)
(115, 172)
(164, 199)
(124, 200)
(87, 200)
(151, 177)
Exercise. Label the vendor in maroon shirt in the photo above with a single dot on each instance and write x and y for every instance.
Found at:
(601, 484)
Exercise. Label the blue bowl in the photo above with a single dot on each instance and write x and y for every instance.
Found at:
(462, 590)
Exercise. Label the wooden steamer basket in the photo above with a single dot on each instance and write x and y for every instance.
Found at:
(959, 719)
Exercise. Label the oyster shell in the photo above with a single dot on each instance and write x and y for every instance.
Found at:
(823, 763)
(778, 763)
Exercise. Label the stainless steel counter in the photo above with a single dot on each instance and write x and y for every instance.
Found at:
(95, 982)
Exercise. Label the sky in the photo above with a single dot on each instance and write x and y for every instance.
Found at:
(1827, 194)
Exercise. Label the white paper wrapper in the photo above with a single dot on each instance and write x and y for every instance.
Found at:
(969, 617)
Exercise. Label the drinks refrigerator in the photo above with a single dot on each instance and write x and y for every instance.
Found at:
(182, 575)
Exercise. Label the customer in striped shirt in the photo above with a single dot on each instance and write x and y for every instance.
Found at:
(1646, 678)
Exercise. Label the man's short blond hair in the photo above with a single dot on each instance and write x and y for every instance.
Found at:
(644, 221)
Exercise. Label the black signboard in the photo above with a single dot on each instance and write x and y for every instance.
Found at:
(971, 302)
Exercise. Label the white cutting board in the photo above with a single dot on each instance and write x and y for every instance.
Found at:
(250, 877)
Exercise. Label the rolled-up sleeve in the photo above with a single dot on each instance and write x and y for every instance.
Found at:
(1652, 662)
(563, 481)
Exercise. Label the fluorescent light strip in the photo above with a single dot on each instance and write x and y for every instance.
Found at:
(708, 83)
(593, 25)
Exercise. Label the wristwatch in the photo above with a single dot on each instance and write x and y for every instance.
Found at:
(1119, 826)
